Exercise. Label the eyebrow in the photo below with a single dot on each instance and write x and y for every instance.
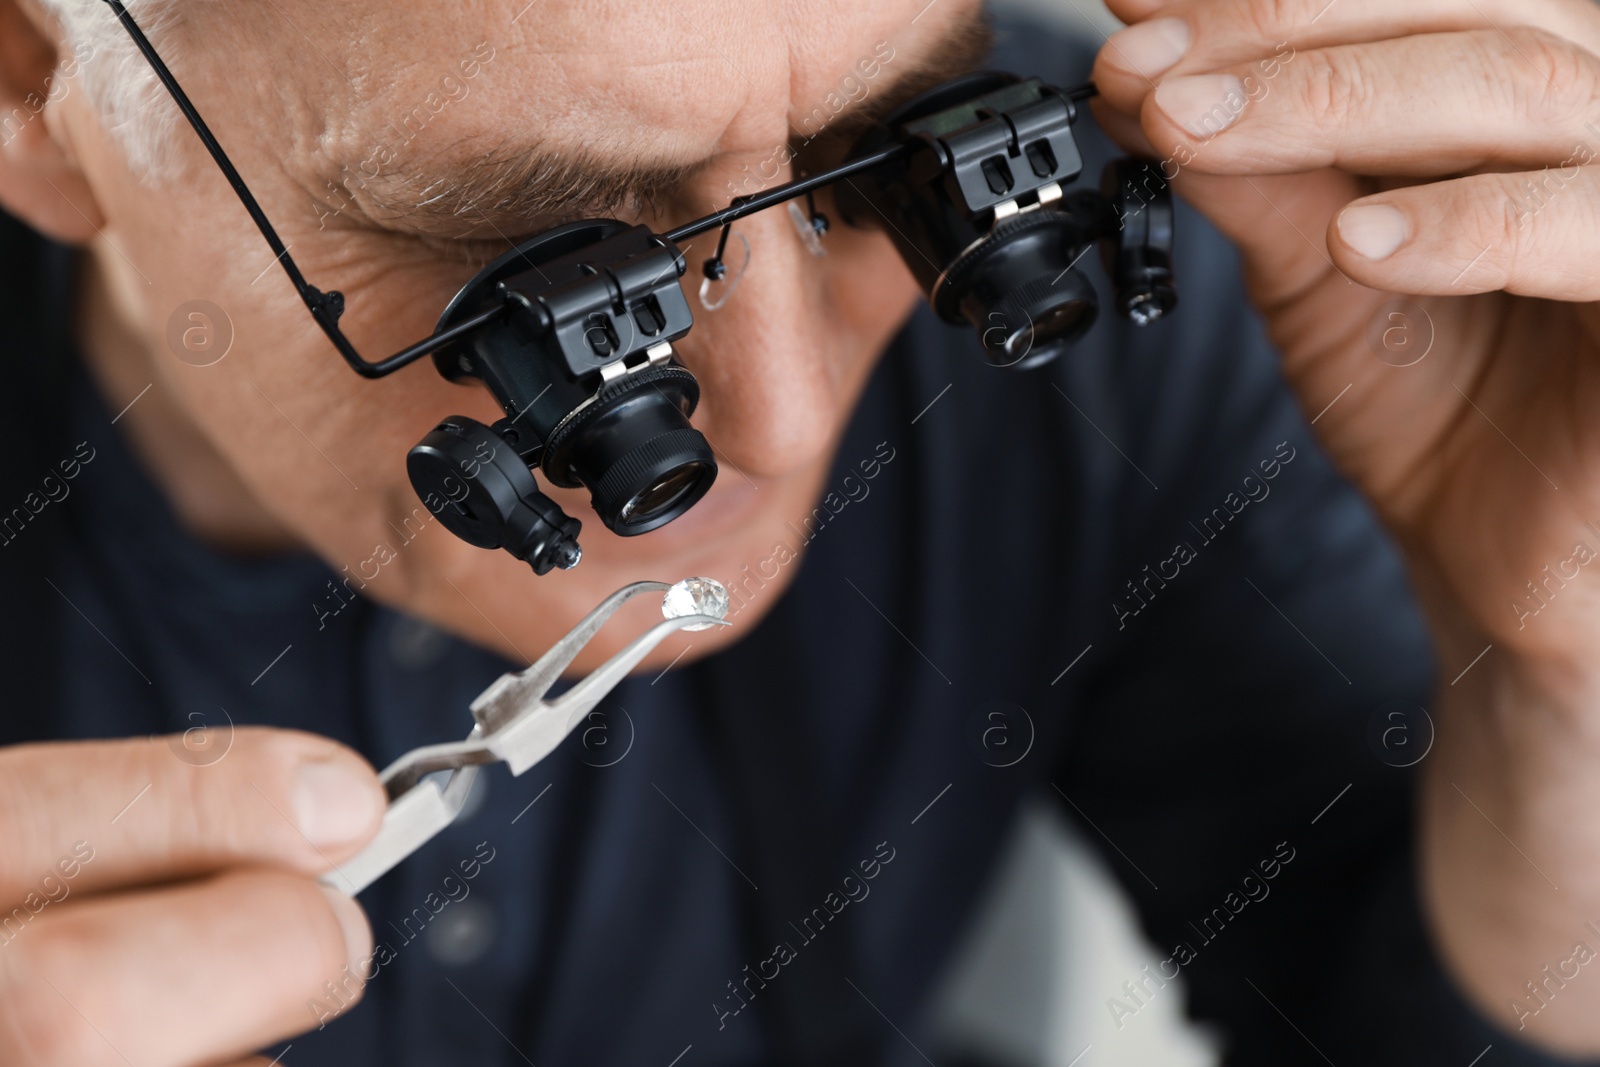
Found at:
(537, 184)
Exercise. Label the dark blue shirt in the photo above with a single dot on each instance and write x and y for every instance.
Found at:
(1129, 582)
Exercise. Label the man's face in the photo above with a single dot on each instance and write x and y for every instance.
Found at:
(397, 150)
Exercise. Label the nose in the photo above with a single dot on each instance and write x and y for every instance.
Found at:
(774, 360)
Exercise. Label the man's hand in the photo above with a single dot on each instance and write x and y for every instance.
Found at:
(1409, 182)
(157, 912)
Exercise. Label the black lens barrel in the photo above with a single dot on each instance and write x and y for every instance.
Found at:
(1018, 288)
(632, 445)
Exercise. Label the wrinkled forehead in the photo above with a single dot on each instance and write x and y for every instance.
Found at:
(661, 82)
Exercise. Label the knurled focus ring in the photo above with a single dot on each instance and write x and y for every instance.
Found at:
(632, 467)
(949, 289)
(574, 423)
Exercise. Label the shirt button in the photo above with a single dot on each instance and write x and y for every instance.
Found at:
(414, 643)
(461, 933)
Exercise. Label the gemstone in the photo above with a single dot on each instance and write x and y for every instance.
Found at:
(696, 596)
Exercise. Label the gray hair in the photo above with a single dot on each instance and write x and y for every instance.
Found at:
(124, 90)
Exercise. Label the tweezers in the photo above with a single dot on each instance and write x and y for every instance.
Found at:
(514, 725)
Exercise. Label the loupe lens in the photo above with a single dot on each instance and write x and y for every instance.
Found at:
(1047, 337)
(1019, 288)
(662, 496)
(634, 449)
(1056, 324)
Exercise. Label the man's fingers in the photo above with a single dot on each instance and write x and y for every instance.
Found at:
(84, 816)
(1175, 39)
(1529, 234)
(184, 975)
(1277, 221)
(1426, 106)
(1122, 128)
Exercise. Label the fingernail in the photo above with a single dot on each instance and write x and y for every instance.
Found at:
(357, 934)
(1374, 230)
(1150, 48)
(1203, 104)
(334, 801)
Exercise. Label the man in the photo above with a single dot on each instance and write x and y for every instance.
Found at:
(1137, 564)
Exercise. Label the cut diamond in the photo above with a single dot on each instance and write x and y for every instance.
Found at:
(696, 596)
